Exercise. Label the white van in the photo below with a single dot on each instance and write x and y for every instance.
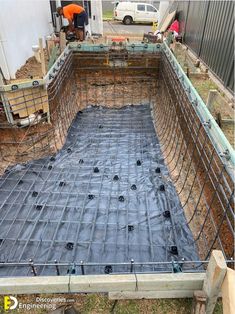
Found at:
(130, 12)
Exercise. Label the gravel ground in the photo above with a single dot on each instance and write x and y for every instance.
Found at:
(115, 27)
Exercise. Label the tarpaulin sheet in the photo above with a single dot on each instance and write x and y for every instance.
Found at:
(105, 197)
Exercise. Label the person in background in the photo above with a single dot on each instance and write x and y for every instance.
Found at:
(76, 15)
(175, 28)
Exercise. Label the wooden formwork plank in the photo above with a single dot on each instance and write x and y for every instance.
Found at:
(27, 101)
(130, 285)
(103, 283)
(31, 285)
(198, 75)
(171, 294)
(228, 290)
(167, 21)
(177, 281)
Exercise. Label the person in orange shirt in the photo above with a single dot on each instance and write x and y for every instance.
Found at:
(77, 17)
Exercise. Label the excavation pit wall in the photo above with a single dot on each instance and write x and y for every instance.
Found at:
(121, 80)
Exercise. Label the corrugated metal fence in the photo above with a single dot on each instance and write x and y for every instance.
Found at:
(208, 29)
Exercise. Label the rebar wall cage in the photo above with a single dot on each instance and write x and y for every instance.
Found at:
(36, 117)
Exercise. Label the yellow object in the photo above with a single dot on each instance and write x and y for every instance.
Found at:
(154, 26)
(8, 303)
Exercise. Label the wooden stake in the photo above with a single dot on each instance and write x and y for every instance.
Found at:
(1, 79)
(210, 99)
(42, 57)
(199, 302)
(215, 273)
(218, 119)
(50, 46)
(62, 41)
(187, 72)
(199, 75)
(227, 121)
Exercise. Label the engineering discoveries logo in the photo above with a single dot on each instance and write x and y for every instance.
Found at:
(10, 302)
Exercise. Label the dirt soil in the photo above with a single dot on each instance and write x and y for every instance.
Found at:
(187, 196)
(203, 85)
(30, 70)
(16, 149)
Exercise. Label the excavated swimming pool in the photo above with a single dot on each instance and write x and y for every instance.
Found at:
(124, 175)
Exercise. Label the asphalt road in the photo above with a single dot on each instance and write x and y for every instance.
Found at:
(115, 27)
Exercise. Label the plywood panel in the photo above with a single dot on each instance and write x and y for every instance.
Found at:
(28, 101)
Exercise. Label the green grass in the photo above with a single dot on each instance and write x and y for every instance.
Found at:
(203, 87)
(99, 303)
(107, 15)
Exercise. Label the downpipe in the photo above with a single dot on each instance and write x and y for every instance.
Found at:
(5, 66)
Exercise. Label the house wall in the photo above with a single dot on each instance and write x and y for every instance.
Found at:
(96, 20)
(22, 22)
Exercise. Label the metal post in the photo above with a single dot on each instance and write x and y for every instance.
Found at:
(57, 268)
(82, 268)
(34, 271)
(132, 265)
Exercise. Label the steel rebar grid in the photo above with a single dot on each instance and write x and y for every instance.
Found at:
(198, 147)
(52, 201)
(200, 153)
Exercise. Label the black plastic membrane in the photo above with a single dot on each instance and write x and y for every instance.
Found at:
(106, 197)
